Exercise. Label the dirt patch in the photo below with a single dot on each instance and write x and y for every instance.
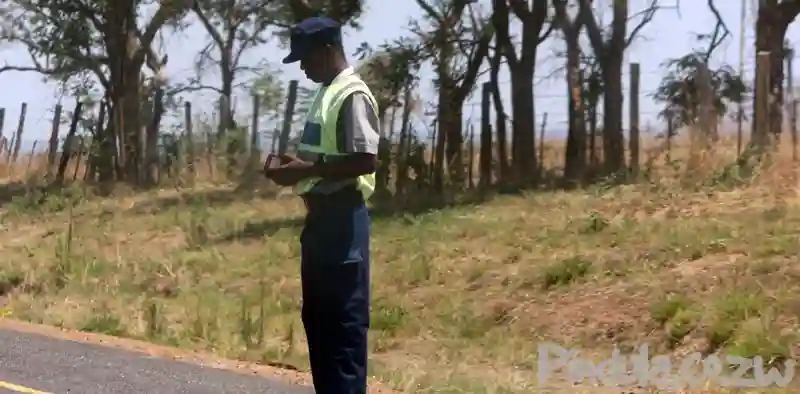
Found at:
(705, 265)
(615, 313)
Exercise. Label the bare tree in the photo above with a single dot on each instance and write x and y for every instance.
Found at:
(457, 42)
(533, 15)
(610, 54)
(235, 27)
(389, 71)
(74, 39)
(501, 118)
(773, 20)
(575, 156)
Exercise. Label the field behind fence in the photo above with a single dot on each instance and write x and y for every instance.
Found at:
(198, 150)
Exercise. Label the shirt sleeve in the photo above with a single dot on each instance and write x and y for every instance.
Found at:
(358, 127)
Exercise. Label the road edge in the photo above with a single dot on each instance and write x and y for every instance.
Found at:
(158, 351)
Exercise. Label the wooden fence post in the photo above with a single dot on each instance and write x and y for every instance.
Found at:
(2, 123)
(670, 134)
(52, 149)
(402, 146)
(288, 117)
(211, 144)
(470, 174)
(541, 146)
(30, 159)
(68, 142)
(633, 113)
(189, 139)
(20, 128)
(795, 103)
(255, 140)
(791, 102)
(486, 137)
(78, 157)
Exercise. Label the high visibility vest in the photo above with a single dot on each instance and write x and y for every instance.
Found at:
(319, 133)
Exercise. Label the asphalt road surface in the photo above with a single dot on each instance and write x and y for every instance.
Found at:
(36, 364)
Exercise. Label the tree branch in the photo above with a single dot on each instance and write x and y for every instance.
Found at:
(166, 11)
(547, 33)
(500, 23)
(215, 35)
(647, 17)
(430, 11)
(720, 33)
(586, 16)
(195, 88)
(533, 20)
(474, 63)
(570, 28)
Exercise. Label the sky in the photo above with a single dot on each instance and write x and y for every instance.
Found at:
(669, 35)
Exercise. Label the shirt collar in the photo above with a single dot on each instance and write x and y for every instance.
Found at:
(344, 73)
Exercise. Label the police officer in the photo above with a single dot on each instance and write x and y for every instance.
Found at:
(334, 173)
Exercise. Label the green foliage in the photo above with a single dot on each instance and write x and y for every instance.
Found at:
(47, 201)
(345, 11)
(389, 69)
(679, 90)
(67, 40)
(667, 308)
(271, 91)
(565, 272)
(233, 27)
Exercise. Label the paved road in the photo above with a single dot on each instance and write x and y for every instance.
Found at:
(35, 364)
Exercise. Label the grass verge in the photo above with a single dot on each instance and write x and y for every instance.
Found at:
(462, 297)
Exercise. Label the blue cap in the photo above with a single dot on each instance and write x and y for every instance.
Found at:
(310, 33)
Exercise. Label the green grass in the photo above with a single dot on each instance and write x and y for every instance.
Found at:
(461, 297)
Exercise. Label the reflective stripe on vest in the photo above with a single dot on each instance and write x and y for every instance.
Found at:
(319, 134)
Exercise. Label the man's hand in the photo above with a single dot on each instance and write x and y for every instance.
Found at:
(291, 171)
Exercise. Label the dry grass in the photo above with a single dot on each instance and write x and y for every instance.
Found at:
(209, 167)
(462, 297)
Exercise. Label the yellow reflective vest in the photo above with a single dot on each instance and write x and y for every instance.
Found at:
(319, 133)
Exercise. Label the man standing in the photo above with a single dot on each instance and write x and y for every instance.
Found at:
(334, 173)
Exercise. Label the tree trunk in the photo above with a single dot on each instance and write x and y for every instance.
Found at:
(575, 155)
(523, 148)
(228, 129)
(128, 49)
(593, 136)
(500, 117)
(441, 140)
(131, 125)
(771, 26)
(450, 129)
(455, 145)
(613, 139)
(533, 15)
(384, 156)
(125, 97)
(609, 51)
(226, 117)
(446, 90)
(103, 148)
(485, 164)
(153, 128)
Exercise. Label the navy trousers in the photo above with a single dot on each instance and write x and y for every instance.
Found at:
(336, 291)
